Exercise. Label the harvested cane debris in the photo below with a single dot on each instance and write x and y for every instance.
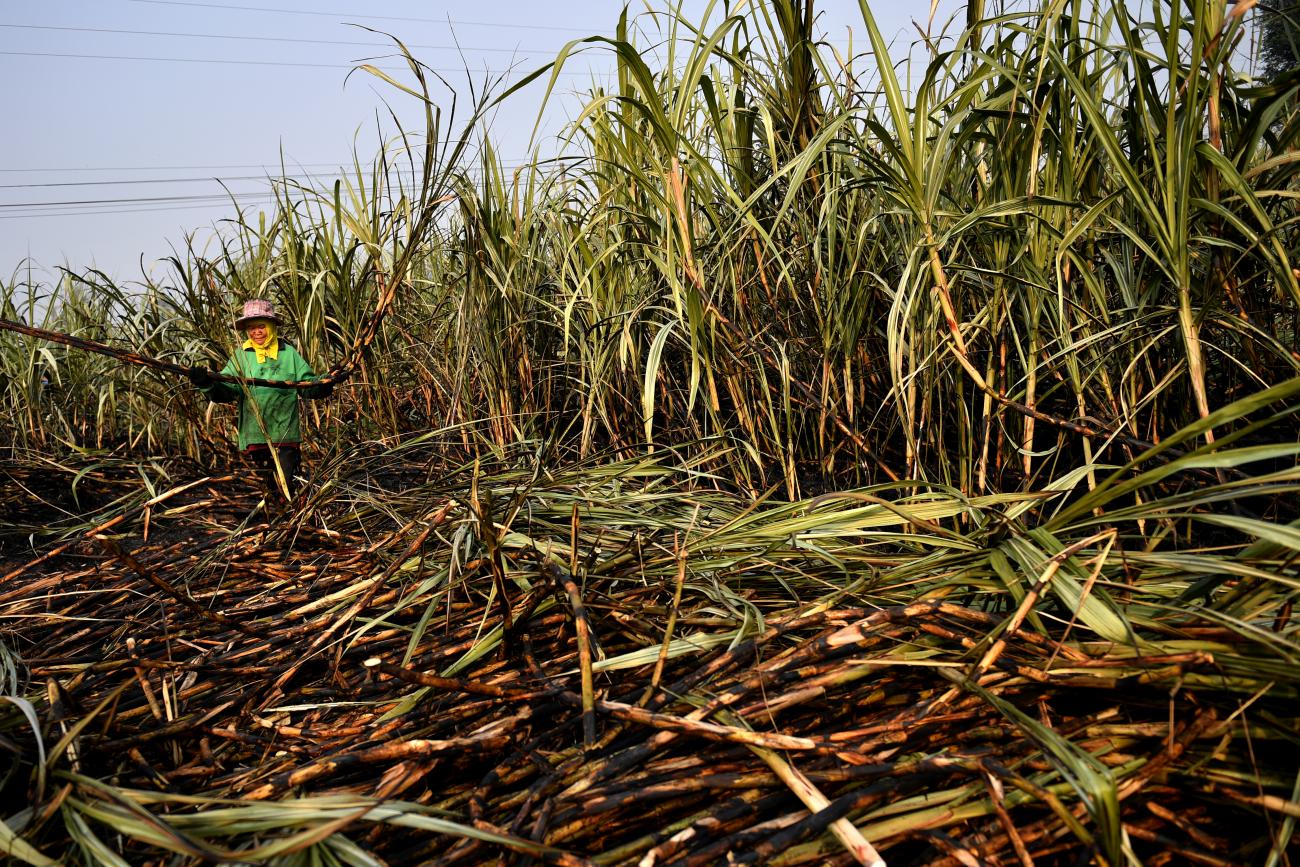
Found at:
(622, 668)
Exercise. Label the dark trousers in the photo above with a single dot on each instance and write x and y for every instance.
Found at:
(290, 462)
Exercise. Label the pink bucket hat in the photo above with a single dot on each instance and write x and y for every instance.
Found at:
(258, 309)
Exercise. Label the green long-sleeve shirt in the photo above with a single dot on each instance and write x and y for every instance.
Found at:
(267, 415)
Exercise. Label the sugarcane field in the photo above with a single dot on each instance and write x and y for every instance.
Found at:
(830, 448)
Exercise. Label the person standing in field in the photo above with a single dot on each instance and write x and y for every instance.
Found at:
(270, 432)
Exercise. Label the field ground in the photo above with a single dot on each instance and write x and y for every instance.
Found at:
(690, 681)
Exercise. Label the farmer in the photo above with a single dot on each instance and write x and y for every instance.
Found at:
(269, 430)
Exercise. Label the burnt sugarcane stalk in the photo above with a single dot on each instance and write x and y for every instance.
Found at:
(139, 360)
(454, 684)
(582, 630)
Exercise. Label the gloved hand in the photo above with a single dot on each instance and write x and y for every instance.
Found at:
(202, 377)
(319, 392)
(325, 390)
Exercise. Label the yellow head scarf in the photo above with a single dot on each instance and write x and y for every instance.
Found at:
(269, 348)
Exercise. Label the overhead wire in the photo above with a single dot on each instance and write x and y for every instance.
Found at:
(284, 39)
(74, 56)
(159, 168)
(287, 163)
(319, 13)
(113, 212)
(135, 181)
(213, 178)
(98, 207)
(63, 207)
(277, 63)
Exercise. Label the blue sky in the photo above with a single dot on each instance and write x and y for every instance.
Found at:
(131, 110)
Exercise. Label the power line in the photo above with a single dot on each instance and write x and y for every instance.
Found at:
(291, 163)
(447, 71)
(160, 168)
(195, 60)
(341, 174)
(241, 200)
(209, 179)
(362, 15)
(216, 197)
(105, 209)
(207, 197)
(112, 212)
(244, 37)
(178, 59)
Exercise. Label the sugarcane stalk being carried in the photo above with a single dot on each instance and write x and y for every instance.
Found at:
(335, 375)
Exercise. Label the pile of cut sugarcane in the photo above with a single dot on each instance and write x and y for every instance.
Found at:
(622, 664)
